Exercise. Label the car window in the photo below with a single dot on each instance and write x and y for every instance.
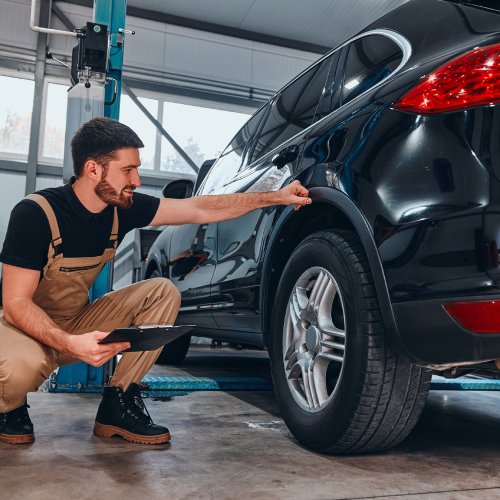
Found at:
(292, 110)
(370, 59)
(232, 160)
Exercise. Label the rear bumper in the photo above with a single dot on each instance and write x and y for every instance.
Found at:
(430, 336)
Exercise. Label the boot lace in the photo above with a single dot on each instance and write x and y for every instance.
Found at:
(136, 403)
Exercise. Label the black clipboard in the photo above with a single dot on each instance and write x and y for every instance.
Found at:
(148, 337)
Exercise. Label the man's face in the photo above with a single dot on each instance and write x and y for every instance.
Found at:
(120, 178)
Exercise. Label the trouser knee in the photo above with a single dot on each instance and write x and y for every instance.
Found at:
(20, 376)
(167, 290)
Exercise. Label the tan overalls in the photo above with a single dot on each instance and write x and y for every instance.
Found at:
(63, 294)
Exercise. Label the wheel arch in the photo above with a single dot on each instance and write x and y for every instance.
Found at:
(331, 209)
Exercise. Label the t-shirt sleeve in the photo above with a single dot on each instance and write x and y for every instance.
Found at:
(140, 214)
(28, 237)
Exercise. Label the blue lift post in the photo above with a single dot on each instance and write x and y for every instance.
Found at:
(81, 377)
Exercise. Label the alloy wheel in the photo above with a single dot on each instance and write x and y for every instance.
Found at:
(314, 339)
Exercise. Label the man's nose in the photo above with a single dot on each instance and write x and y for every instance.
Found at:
(136, 179)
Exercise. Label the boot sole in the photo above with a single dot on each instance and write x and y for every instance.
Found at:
(17, 438)
(108, 431)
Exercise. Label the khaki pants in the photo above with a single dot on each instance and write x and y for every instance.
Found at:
(25, 363)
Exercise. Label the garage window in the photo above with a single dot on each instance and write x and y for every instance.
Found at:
(15, 116)
(201, 132)
(52, 141)
(132, 116)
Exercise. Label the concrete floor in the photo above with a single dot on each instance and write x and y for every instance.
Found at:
(234, 445)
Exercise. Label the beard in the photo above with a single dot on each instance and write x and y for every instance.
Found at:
(111, 196)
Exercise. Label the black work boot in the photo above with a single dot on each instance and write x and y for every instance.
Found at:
(124, 414)
(16, 426)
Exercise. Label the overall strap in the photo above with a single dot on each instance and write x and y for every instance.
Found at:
(56, 244)
(113, 238)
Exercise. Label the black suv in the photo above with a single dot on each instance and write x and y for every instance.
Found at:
(393, 270)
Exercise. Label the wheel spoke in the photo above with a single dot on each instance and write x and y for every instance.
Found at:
(291, 351)
(332, 345)
(296, 316)
(328, 328)
(319, 375)
(310, 385)
(295, 371)
(330, 356)
(318, 288)
(324, 304)
(292, 357)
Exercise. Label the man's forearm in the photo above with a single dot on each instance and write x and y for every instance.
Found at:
(32, 320)
(230, 206)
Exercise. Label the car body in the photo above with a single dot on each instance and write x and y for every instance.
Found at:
(393, 269)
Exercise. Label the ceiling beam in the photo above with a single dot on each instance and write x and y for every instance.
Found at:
(220, 29)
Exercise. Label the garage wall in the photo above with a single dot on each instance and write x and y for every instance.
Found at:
(12, 187)
(168, 54)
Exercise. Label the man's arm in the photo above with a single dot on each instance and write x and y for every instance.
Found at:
(18, 287)
(216, 208)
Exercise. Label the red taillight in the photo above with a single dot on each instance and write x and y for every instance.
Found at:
(470, 80)
(482, 316)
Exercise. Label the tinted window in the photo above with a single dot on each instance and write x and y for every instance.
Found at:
(369, 60)
(331, 97)
(293, 109)
(232, 159)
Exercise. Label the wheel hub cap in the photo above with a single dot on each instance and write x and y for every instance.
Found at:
(313, 339)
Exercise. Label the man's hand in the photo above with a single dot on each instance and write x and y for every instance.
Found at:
(86, 347)
(294, 193)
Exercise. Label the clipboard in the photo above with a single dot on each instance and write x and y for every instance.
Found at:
(147, 337)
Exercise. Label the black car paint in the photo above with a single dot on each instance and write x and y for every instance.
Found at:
(421, 191)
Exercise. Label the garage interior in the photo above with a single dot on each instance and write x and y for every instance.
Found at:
(214, 62)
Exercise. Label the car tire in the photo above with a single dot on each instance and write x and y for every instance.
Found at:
(340, 386)
(174, 352)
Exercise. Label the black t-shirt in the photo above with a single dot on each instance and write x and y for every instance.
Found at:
(84, 234)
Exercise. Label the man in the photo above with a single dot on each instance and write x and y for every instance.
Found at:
(57, 242)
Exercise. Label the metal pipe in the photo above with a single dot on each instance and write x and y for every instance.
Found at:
(49, 31)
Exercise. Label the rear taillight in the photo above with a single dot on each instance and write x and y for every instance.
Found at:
(472, 79)
(482, 316)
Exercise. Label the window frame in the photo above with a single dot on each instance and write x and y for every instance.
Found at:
(399, 39)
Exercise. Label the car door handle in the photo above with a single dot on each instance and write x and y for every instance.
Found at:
(286, 156)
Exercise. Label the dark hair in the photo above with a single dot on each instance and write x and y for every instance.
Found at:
(98, 139)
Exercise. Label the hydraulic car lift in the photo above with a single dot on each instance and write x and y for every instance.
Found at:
(96, 74)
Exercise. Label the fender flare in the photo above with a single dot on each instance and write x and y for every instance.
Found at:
(358, 221)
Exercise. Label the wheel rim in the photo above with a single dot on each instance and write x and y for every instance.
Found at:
(314, 339)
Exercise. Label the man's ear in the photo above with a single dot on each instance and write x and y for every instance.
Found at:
(93, 170)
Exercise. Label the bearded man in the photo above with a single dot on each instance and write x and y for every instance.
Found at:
(57, 242)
